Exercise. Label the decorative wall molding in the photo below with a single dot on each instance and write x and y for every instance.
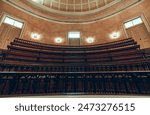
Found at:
(82, 18)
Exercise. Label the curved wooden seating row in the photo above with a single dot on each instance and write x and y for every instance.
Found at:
(136, 65)
(104, 83)
(41, 45)
(30, 68)
(122, 55)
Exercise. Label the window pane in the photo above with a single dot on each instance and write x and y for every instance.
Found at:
(38, 1)
(18, 24)
(9, 21)
(137, 21)
(128, 24)
(73, 34)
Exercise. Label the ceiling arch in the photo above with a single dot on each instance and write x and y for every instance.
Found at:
(73, 11)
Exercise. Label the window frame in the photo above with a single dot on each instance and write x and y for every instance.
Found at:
(74, 37)
(14, 22)
(41, 1)
(74, 30)
(132, 21)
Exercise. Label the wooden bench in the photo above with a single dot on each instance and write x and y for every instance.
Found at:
(121, 55)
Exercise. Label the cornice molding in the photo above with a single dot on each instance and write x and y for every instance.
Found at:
(67, 18)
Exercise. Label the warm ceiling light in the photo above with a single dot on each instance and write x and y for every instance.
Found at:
(115, 35)
(90, 40)
(58, 40)
(35, 36)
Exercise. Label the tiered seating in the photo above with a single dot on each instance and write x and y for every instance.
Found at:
(23, 55)
(106, 83)
(112, 68)
(146, 52)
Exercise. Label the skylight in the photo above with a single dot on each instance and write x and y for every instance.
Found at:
(38, 1)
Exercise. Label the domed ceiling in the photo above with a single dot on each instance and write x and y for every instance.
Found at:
(73, 11)
(75, 5)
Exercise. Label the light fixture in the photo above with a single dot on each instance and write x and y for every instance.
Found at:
(90, 40)
(58, 40)
(115, 35)
(35, 36)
